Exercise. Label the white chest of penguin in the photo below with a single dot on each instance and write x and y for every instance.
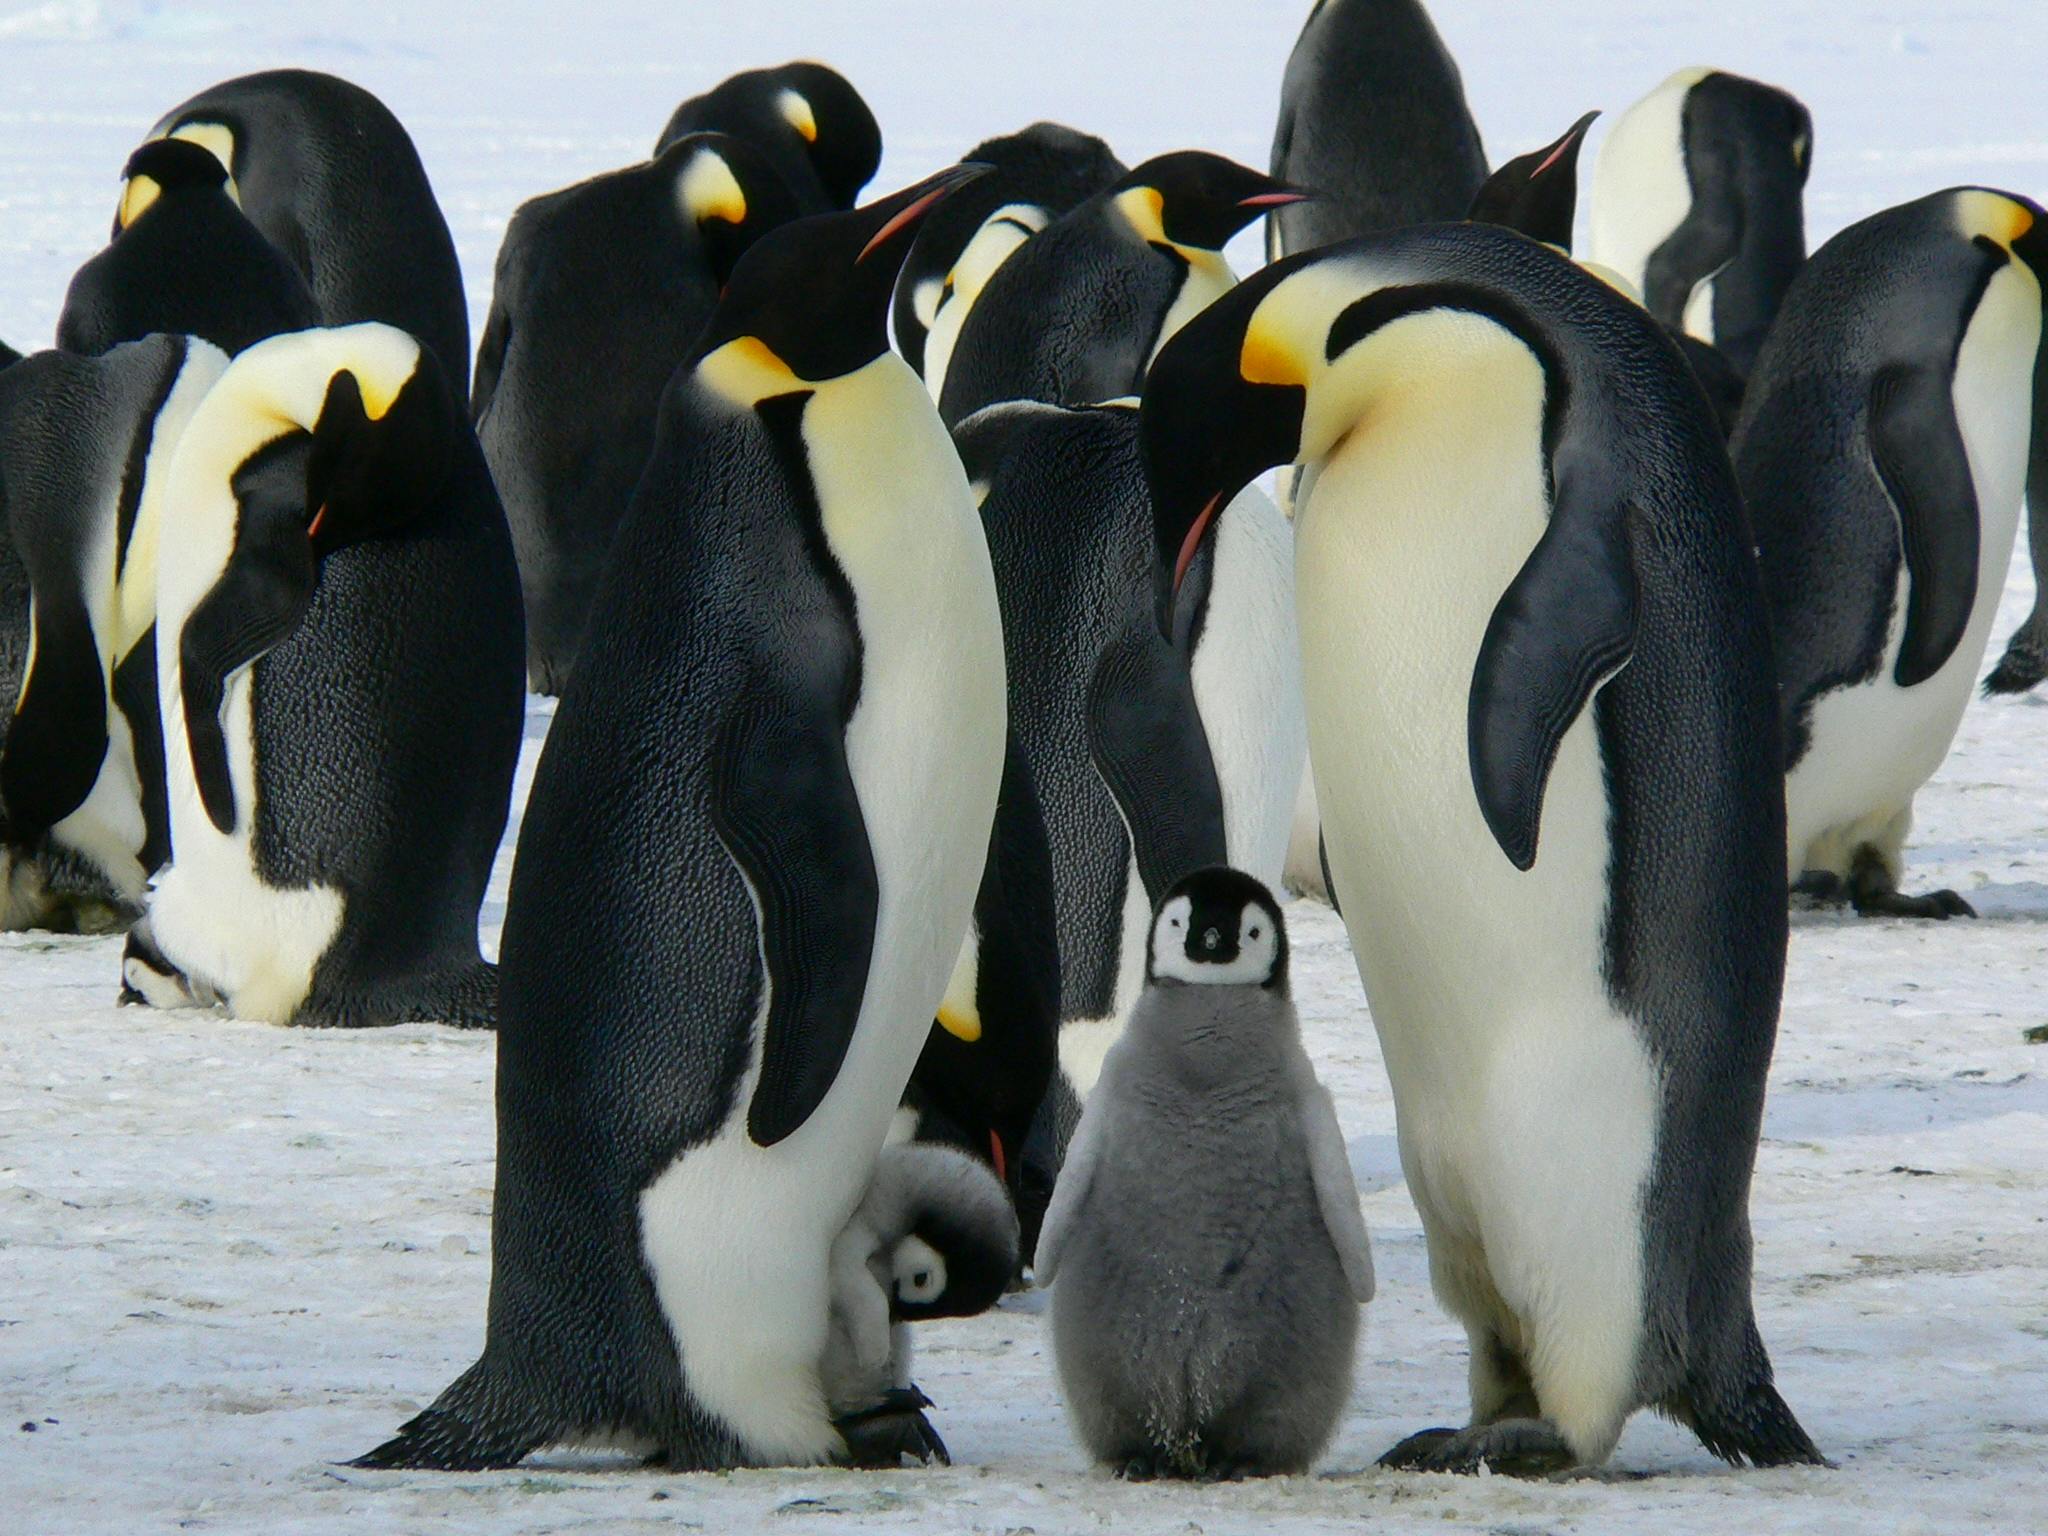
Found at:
(1841, 782)
(1485, 981)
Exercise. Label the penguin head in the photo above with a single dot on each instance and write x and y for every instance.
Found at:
(960, 1251)
(1537, 193)
(728, 192)
(1195, 200)
(839, 132)
(167, 165)
(809, 301)
(1219, 927)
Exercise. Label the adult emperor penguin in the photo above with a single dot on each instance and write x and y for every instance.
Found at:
(1153, 756)
(82, 497)
(1698, 202)
(1037, 174)
(325, 171)
(1074, 316)
(338, 670)
(1883, 451)
(184, 261)
(806, 118)
(1542, 716)
(601, 288)
(1373, 116)
(742, 882)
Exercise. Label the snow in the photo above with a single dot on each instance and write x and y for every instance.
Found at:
(233, 1255)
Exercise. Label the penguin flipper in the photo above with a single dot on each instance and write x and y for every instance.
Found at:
(1077, 1172)
(1329, 1164)
(1917, 446)
(1566, 623)
(784, 805)
(58, 739)
(1145, 735)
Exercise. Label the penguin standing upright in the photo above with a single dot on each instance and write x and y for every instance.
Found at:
(331, 178)
(1075, 315)
(1205, 1249)
(1035, 175)
(1373, 116)
(2025, 661)
(808, 121)
(1152, 756)
(743, 879)
(1698, 200)
(1542, 715)
(338, 671)
(1882, 452)
(600, 290)
(83, 499)
(183, 261)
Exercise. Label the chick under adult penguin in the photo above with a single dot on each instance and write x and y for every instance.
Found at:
(1518, 522)
(1077, 313)
(1204, 1247)
(601, 288)
(806, 119)
(743, 880)
(184, 261)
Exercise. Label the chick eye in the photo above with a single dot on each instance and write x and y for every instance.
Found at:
(1174, 921)
(1255, 933)
(921, 1279)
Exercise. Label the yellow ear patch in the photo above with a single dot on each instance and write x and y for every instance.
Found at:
(709, 190)
(1144, 208)
(961, 1024)
(1269, 359)
(746, 370)
(1991, 214)
(137, 193)
(797, 113)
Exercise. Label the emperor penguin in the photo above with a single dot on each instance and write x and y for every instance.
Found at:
(1205, 1249)
(1698, 201)
(1373, 116)
(338, 674)
(1883, 452)
(1543, 721)
(1036, 175)
(933, 1237)
(2025, 661)
(807, 119)
(600, 290)
(184, 261)
(742, 882)
(83, 500)
(1153, 756)
(1074, 316)
(332, 179)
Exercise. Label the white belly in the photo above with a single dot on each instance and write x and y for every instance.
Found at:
(1485, 982)
(1873, 745)
(1208, 278)
(747, 1299)
(1247, 677)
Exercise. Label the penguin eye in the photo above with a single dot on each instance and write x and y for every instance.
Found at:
(1174, 921)
(1255, 933)
(921, 1279)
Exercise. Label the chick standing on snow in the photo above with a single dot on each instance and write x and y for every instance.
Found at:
(1205, 1231)
(935, 1236)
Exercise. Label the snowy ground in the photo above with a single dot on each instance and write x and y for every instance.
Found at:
(232, 1256)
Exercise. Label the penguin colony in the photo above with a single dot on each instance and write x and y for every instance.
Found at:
(893, 921)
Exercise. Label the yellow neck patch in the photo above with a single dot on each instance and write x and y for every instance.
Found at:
(1268, 357)
(961, 1024)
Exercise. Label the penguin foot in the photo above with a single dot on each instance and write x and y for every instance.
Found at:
(1509, 1447)
(878, 1438)
(1821, 887)
(1939, 905)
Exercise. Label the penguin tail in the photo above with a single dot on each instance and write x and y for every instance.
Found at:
(1748, 1422)
(2023, 665)
(465, 998)
(477, 1425)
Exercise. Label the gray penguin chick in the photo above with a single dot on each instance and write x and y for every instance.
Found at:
(1205, 1235)
(935, 1236)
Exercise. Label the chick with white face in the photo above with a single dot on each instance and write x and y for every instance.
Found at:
(1883, 453)
(1517, 570)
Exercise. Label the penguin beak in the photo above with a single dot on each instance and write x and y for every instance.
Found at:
(919, 200)
(313, 527)
(1568, 145)
(1276, 199)
(1190, 546)
(998, 1157)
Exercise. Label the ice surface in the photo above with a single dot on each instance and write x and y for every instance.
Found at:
(232, 1256)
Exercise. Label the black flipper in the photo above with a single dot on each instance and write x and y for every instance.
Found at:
(258, 601)
(783, 803)
(1565, 624)
(1918, 449)
(58, 737)
(475, 1426)
(1148, 744)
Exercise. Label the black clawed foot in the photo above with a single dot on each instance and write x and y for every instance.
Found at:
(1939, 905)
(1511, 1448)
(878, 1438)
(1821, 887)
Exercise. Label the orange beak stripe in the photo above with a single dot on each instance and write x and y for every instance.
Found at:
(313, 528)
(910, 215)
(1197, 531)
(995, 1148)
